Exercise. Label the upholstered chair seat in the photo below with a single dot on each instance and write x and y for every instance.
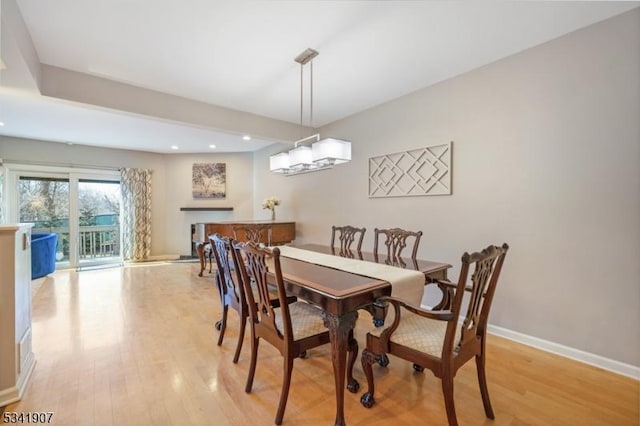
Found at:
(306, 320)
(422, 334)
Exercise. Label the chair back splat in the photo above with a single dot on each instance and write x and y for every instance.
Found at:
(488, 265)
(395, 242)
(347, 235)
(263, 315)
(254, 233)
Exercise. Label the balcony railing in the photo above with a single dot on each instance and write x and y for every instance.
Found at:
(95, 241)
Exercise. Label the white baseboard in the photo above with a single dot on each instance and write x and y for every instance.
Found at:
(164, 257)
(14, 393)
(9, 396)
(608, 364)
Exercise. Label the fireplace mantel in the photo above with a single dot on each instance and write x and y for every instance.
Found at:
(206, 209)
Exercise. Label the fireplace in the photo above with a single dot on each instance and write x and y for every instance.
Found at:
(196, 235)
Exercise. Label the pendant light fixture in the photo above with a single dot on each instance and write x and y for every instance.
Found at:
(310, 154)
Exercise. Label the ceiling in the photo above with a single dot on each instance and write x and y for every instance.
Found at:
(239, 55)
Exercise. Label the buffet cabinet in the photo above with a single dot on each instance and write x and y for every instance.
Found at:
(281, 232)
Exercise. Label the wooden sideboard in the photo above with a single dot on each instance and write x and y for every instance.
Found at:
(281, 233)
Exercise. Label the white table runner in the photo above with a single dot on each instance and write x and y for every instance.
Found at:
(406, 284)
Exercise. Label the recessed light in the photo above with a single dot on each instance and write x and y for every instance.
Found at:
(246, 138)
(174, 147)
(212, 146)
(1, 124)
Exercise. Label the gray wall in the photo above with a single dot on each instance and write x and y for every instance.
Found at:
(546, 157)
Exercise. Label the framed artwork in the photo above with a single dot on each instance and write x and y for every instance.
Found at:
(209, 180)
(424, 171)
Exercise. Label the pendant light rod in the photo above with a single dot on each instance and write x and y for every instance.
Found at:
(306, 57)
(301, 96)
(311, 94)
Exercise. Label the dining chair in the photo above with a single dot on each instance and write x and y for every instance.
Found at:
(291, 328)
(232, 294)
(434, 339)
(255, 233)
(229, 288)
(347, 235)
(395, 242)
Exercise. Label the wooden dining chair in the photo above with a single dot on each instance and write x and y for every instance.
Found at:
(291, 328)
(434, 339)
(347, 235)
(395, 242)
(229, 288)
(255, 233)
(228, 280)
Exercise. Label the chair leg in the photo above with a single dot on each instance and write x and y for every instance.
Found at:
(368, 359)
(286, 382)
(447, 391)
(484, 391)
(223, 324)
(243, 324)
(352, 384)
(252, 364)
(216, 278)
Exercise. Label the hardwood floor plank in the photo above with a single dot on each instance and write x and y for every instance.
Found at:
(136, 346)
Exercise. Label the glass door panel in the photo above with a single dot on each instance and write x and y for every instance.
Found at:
(44, 201)
(99, 221)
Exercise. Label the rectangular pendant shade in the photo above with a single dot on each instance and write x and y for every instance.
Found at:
(279, 163)
(331, 151)
(300, 157)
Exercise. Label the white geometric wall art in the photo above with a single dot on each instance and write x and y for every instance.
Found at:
(424, 171)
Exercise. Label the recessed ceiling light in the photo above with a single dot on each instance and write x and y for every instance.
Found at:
(246, 138)
(212, 146)
(174, 147)
(1, 124)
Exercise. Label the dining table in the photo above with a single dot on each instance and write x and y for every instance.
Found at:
(340, 294)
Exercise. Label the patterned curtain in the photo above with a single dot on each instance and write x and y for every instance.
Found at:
(136, 215)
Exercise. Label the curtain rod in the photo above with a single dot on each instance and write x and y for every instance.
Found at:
(52, 164)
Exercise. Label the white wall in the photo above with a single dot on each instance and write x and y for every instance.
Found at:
(546, 158)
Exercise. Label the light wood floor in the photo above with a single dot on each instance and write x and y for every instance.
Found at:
(136, 345)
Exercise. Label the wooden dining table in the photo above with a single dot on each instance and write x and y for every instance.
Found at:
(340, 294)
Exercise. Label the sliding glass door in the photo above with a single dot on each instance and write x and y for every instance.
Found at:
(83, 209)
